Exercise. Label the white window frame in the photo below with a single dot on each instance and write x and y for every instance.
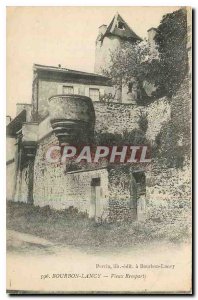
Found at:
(69, 87)
(92, 97)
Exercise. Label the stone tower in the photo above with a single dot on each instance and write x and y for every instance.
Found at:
(109, 39)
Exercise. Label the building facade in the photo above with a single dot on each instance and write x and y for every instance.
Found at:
(71, 107)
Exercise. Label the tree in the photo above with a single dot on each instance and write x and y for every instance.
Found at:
(171, 38)
(166, 72)
(128, 63)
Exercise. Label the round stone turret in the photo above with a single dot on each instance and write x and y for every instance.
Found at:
(72, 118)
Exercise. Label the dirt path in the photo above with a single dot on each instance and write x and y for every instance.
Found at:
(23, 242)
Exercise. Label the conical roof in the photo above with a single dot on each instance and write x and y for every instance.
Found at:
(120, 28)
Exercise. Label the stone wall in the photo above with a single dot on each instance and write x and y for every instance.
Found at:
(60, 190)
(10, 167)
(79, 190)
(168, 184)
(171, 187)
(169, 194)
(119, 195)
(181, 112)
(10, 180)
(22, 180)
(117, 117)
(10, 148)
(158, 114)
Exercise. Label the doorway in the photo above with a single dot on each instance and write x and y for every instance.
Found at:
(138, 195)
(95, 205)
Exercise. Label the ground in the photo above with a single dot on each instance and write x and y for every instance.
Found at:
(45, 245)
(39, 228)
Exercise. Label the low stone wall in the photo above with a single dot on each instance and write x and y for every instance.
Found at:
(80, 191)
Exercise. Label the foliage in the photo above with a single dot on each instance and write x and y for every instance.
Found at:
(107, 138)
(128, 64)
(106, 98)
(133, 137)
(143, 121)
(168, 72)
(72, 166)
(135, 61)
(167, 149)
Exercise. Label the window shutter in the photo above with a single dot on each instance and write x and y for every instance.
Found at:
(87, 91)
(102, 92)
(60, 89)
(76, 90)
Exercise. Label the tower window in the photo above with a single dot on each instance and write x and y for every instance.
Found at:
(68, 89)
(121, 25)
(95, 182)
(130, 86)
(94, 94)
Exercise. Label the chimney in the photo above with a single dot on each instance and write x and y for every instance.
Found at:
(151, 35)
(8, 120)
(102, 29)
(24, 106)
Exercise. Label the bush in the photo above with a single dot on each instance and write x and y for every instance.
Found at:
(133, 137)
(143, 121)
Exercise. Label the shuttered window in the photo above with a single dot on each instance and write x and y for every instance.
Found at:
(68, 90)
(94, 94)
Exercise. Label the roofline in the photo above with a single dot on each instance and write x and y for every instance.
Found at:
(21, 103)
(86, 170)
(137, 36)
(68, 71)
(102, 25)
(19, 119)
(126, 38)
(152, 29)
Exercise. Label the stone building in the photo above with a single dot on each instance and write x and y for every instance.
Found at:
(103, 192)
(49, 81)
(111, 38)
(71, 106)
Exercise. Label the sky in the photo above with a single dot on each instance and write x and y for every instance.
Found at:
(61, 35)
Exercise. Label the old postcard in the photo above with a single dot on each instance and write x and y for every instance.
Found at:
(99, 150)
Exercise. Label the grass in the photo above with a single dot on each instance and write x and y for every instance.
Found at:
(74, 229)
